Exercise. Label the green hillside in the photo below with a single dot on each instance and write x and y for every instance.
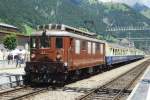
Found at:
(146, 13)
(78, 13)
(87, 14)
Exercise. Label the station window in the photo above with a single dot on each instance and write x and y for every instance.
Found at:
(59, 42)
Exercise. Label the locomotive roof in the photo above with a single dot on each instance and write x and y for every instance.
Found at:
(63, 27)
(65, 33)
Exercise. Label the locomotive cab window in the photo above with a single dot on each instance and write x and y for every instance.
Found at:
(44, 40)
(59, 42)
(33, 42)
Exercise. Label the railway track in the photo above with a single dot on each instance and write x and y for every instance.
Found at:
(118, 88)
(21, 93)
(10, 81)
(11, 85)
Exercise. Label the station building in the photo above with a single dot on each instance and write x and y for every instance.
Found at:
(6, 29)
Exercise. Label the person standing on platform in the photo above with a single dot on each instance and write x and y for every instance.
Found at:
(9, 58)
(18, 60)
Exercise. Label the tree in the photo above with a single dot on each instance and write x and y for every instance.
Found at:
(10, 42)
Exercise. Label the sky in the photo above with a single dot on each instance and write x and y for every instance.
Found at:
(130, 2)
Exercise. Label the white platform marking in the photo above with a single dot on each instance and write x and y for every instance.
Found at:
(148, 94)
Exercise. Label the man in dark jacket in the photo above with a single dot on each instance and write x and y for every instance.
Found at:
(18, 60)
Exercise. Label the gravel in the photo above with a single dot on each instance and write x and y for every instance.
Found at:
(92, 82)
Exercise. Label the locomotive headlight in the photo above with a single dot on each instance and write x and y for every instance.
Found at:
(58, 57)
(33, 56)
(65, 64)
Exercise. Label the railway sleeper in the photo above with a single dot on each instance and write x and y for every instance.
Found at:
(109, 91)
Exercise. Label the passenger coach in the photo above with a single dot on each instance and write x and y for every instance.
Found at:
(116, 54)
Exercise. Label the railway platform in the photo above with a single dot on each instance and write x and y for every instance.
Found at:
(142, 89)
(11, 68)
(10, 75)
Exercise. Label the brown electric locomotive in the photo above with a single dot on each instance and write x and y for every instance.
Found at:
(60, 52)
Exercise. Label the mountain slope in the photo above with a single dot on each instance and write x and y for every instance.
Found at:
(144, 10)
(89, 14)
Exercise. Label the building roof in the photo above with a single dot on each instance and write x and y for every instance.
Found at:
(7, 25)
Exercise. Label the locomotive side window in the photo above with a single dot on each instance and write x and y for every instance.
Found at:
(101, 48)
(94, 48)
(97, 47)
(32, 44)
(89, 47)
(59, 42)
(84, 45)
(77, 46)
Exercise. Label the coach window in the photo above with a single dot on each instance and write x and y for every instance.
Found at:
(113, 51)
(77, 46)
(59, 42)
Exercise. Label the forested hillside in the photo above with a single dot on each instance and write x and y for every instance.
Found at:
(88, 14)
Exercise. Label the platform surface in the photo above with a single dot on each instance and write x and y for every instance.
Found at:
(11, 68)
(142, 89)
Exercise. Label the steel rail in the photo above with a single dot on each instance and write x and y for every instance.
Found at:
(20, 93)
(146, 63)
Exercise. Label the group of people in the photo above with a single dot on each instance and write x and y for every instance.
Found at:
(19, 59)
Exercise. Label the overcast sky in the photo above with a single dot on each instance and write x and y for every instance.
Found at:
(130, 2)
